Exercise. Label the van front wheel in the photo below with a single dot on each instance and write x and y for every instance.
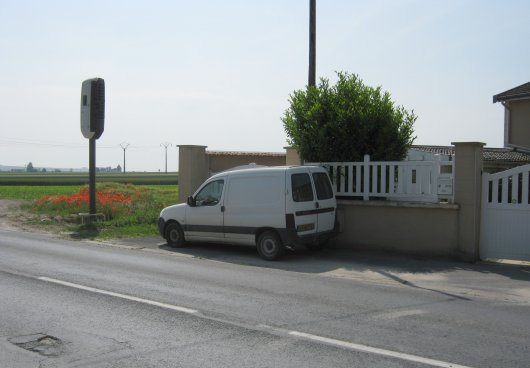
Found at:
(174, 235)
(269, 246)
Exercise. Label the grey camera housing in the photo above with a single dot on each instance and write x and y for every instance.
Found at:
(93, 108)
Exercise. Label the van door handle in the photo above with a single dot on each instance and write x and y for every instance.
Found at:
(317, 205)
(222, 208)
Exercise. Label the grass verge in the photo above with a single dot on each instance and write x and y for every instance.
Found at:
(130, 210)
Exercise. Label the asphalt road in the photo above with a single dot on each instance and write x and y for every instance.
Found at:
(80, 304)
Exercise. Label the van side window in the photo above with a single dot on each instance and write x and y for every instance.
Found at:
(323, 186)
(301, 188)
(210, 195)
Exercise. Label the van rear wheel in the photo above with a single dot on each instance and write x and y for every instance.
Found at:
(174, 235)
(269, 246)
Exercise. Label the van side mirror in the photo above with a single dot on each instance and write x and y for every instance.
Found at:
(191, 201)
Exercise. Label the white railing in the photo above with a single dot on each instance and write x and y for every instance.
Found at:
(507, 189)
(414, 181)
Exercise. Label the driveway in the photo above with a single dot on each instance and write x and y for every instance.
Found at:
(443, 276)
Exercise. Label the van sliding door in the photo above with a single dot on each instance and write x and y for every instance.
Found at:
(253, 200)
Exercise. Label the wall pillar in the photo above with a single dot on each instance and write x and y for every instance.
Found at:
(193, 169)
(292, 157)
(468, 194)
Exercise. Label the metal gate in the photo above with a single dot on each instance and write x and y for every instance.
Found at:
(505, 226)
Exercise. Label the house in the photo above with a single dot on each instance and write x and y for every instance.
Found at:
(494, 159)
(516, 102)
(516, 151)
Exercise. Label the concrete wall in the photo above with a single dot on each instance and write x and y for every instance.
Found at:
(292, 157)
(413, 228)
(417, 228)
(468, 194)
(429, 229)
(193, 169)
(519, 123)
(196, 165)
(221, 161)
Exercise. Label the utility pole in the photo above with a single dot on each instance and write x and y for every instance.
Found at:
(124, 146)
(165, 145)
(312, 42)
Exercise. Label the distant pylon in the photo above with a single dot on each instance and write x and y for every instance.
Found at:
(165, 145)
(124, 146)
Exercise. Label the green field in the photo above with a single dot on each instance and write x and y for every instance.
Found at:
(33, 192)
(163, 193)
(40, 179)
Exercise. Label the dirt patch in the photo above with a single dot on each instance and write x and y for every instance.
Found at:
(12, 215)
(15, 216)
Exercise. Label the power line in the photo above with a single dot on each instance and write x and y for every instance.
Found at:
(27, 142)
(30, 142)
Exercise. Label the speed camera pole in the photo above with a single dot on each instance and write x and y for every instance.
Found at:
(92, 125)
(92, 176)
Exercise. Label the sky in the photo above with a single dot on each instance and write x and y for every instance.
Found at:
(219, 73)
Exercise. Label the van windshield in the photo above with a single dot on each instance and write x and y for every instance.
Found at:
(301, 188)
(323, 186)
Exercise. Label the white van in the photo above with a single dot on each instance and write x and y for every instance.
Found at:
(272, 208)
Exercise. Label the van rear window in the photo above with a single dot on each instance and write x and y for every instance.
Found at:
(323, 186)
(301, 188)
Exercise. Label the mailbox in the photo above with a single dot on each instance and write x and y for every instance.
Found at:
(445, 186)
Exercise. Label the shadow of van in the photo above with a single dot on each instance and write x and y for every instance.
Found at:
(339, 262)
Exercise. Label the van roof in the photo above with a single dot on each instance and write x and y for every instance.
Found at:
(259, 169)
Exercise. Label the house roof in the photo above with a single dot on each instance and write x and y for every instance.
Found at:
(521, 91)
(439, 150)
(236, 153)
(489, 153)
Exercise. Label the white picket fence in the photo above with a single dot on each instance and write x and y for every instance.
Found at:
(414, 181)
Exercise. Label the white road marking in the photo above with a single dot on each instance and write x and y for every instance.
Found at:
(400, 314)
(367, 349)
(122, 296)
(303, 335)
